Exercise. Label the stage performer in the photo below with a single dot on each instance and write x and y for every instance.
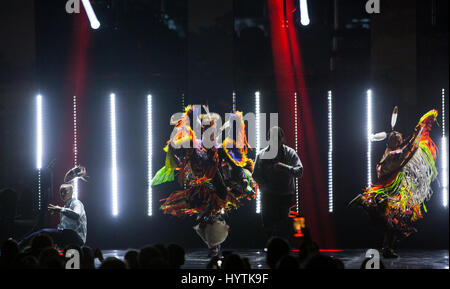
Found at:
(215, 176)
(275, 178)
(72, 228)
(405, 173)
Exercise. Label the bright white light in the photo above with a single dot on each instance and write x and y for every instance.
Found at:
(183, 107)
(443, 112)
(330, 151)
(95, 24)
(149, 154)
(234, 101)
(115, 210)
(39, 145)
(296, 149)
(304, 15)
(369, 133)
(39, 139)
(444, 156)
(258, 144)
(75, 145)
(444, 167)
(39, 190)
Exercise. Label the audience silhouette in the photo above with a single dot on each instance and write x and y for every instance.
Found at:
(43, 253)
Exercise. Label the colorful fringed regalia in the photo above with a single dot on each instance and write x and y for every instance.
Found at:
(215, 179)
(405, 174)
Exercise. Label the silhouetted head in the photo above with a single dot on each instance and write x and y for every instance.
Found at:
(307, 249)
(131, 258)
(50, 259)
(176, 255)
(39, 242)
(276, 248)
(9, 252)
(112, 263)
(163, 250)
(394, 140)
(88, 260)
(150, 257)
(276, 131)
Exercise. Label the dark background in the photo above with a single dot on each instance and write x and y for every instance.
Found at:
(202, 51)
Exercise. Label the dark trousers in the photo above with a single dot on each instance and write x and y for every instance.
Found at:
(377, 215)
(275, 215)
(61, 238)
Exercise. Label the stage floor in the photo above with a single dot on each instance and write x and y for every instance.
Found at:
(352, 258)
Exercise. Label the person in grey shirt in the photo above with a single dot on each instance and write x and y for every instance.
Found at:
(73, 216)
(72, 228)
(276, 182)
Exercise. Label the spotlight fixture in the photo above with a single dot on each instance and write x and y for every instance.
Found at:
(95, 24)
(304, 15)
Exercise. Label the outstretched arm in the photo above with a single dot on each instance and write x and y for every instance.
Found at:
(74, 213)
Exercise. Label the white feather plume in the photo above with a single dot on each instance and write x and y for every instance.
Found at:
(378, 136)
(394, 117)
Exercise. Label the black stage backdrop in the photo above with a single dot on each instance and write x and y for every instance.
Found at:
(136, 52)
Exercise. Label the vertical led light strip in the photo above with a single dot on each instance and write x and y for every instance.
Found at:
(234, 101)
(444, 156)
(149, 155)
(183, 107)
(369, 133)
(330, 151)
(115, 209)
(39, 146)
(257, 114)
(297, 207)
(75, 145)
(182, 102)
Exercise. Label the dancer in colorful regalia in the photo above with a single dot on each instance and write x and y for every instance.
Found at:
(405, 173)
(215, 178)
